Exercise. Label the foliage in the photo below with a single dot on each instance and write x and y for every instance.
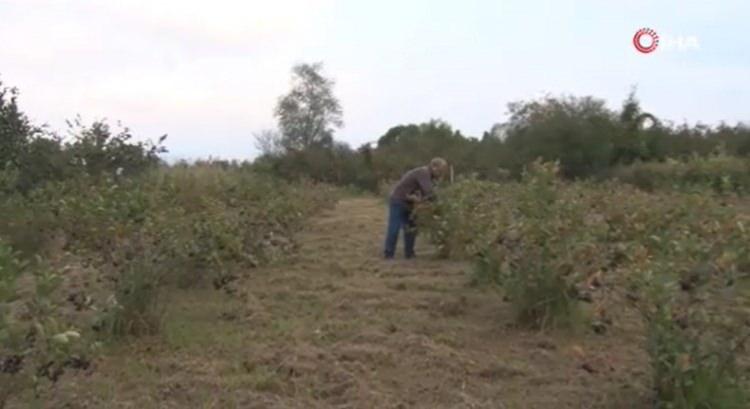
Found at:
(587, 138)
(36, 344)
(569, 130)
(338, 165)
(406, 147)
(694, 353)
(202, 218)
(695, 288)
(304, 148)
(15, 128)
(128, 238)
(308, 114)
(103, 202)
(680, 257)
(718, 173)
(95, 227)
(459, 225)
(33, 156)
(100, 152)
(517, 244)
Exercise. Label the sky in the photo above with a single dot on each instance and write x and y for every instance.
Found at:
(209, 73)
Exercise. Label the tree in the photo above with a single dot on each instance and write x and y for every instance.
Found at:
(99, 150)
(268, 142)
(309, 113)
(576, 131)
(15, 129)
(634, 142)
(398, 133)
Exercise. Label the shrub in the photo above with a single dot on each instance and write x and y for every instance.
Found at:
(548, 247)
(694, 368)
(35, 156)
(467, 216)
(36, 345)
(135, 308)
(527, 238)
(681, 255)
(189, 226)
(718, 173)
(694, 306)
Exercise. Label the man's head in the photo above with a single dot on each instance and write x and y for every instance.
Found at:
(438, 168)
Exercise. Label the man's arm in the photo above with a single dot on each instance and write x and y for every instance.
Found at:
(426, 186)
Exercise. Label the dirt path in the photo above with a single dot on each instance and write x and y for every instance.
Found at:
(337, 327)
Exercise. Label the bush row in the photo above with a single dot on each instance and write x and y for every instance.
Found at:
(680, 259)
(85, 260)
(718, 173)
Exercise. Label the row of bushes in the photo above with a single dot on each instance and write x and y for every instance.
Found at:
(85, 260)
(679, 258)
(715, 173)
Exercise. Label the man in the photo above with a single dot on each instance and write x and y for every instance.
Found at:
(415, 186)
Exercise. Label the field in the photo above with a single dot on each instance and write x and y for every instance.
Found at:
(577, 254)
(326, 323)
(338, 327)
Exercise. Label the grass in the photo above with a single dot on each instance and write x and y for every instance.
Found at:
(197, 329)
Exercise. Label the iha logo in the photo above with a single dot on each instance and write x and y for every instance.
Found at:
(646, 40)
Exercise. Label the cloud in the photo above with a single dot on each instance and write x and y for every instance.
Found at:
(221, 22)
(155, 62)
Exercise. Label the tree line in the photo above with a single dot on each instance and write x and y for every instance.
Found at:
(588, 139)
(582, 133)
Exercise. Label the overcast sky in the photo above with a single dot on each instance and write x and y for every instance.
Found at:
(209, 73)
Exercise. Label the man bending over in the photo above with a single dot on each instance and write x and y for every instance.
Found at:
(415, 185)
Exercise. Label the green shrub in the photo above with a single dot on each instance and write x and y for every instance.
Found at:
(695, 345)
(542, 250)
(682, 256)
(36, 345)
(718, 173)
(527, 238)
(188, 226)
(694, 306)
(136, 307)
(467, 216)
(686, 375)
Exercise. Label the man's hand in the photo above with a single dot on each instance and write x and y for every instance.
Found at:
(414, 198)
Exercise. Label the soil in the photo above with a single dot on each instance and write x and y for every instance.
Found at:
(336, 326)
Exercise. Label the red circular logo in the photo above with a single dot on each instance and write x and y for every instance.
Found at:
(645, 40)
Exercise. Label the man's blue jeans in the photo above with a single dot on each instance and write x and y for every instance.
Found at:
(400, 216)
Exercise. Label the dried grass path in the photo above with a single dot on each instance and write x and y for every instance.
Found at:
(337, 327)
